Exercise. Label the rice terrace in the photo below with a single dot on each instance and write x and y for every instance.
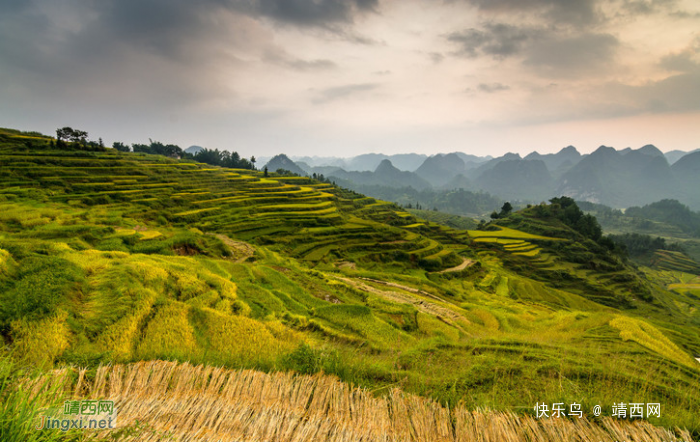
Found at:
(212, 303)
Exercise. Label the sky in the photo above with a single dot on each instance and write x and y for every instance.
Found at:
(347, 77)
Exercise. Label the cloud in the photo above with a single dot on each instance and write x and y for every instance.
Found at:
(681, 62)
(677, 93)
(498, 40)
(46, 36)
(572, 55)
(338, 92)
(490, 88)
(687, 60)
(313, 12)
(144, 53)
(436, 57)
(282, 58)
(648, 7)
(575, 12)
(548, 50)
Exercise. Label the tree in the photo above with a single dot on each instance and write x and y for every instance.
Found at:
(265, 171)
(252, 161)
(494, 215)
(506, 209)
(144, 148)
(70, 134)
(121, 147)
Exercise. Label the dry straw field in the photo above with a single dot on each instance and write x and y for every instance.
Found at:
(182, 402)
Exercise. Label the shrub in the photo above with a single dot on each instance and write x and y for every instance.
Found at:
(41, 284)
(303, 359)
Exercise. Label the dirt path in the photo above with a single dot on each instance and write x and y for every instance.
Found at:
(241, 250)
(403, 287)
(466, 263)
(444, 314)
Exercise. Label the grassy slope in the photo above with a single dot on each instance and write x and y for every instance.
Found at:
(108, 257)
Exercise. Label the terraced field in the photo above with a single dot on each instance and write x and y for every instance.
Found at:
(669, 260)
(110, 258)
(313, 221)
(515, 243)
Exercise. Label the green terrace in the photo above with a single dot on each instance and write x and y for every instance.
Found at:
(241, 203)
(109, 257)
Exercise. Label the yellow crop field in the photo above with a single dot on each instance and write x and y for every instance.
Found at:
(506, 232)
(168, 333)
(150, 234)
(39, 342)
(650, 337)
(197, 211)
(530, 253)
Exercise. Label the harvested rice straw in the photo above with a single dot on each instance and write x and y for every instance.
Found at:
(198, 403)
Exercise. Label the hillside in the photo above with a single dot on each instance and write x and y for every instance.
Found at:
(111, 257)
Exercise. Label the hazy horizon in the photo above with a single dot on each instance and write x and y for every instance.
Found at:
(345, 78)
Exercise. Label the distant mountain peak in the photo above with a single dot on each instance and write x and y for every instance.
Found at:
(194, 149)
(602, 150)
(650, 149)
(440, 169)
(282, 158)
(386, 166)
(569, 149)
(511, 156)
(282, 161)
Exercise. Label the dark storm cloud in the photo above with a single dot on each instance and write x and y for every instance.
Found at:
(576, 12)
(74, 35)
(339, 92)
(151, 50)
(77, 32)
(490, 88)
(498, 40)
(12, 5)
